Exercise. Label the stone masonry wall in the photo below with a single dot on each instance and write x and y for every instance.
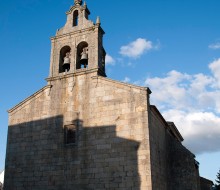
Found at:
(183, 172)
(112, 150)
(159, 153)
(173, 166)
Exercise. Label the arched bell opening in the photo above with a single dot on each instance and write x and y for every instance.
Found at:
(75, 18)
(64, 65)
(103, 59)
(82, 55)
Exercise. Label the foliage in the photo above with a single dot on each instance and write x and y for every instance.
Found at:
(217, 185)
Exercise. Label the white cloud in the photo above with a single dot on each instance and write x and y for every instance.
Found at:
(170, 89)
(136, 48)
(2, 177)
(109, 60)
(215, 46)
(201, 130)
(215, 68)
(126, 80)
(183, 91)
(193, 103)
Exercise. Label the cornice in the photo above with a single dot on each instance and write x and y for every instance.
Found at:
(123, 84)
(92, 28)
(76, 73)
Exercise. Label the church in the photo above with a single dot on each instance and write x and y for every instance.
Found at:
(84, 131)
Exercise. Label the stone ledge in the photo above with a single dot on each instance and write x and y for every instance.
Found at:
(79, 32)
(123, 84)
(76, 73)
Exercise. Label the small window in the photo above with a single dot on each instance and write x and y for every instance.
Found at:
(70, 134)
(75, 18)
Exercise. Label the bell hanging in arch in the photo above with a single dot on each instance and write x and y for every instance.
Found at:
(84, 57)
(66, 62)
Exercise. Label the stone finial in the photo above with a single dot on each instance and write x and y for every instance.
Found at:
(98, 20)
(85, 3)
(78, 2)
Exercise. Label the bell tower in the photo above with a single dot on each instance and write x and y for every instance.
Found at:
(78, 46)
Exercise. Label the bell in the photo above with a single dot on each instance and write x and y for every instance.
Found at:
(84, 59)
(66, 67)
(66, 62)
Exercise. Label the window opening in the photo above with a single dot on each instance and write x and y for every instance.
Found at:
(65, 60)
(82, 55)
(103, 59)
(76, 18)
(70, 134)
(84, 58)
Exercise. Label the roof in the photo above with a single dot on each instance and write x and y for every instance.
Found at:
(169, 125)
(206, 180)
(175, 131)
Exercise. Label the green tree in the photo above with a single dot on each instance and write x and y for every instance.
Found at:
(217, 185)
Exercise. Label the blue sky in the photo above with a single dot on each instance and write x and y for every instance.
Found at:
(171, 46)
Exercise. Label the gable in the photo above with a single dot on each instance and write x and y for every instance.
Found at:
(30, 108)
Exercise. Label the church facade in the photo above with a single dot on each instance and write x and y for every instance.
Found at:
(84, 131)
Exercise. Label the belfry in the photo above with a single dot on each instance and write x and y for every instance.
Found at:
(78, 46)
(84, 131)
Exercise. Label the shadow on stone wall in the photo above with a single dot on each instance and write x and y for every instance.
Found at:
(183, 168)
(37, 158)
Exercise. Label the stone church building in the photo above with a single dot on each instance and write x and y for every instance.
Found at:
(84, 131)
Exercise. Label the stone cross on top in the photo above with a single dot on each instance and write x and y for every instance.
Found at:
(78, 2)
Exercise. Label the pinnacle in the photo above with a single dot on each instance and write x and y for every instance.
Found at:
(78, 2)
